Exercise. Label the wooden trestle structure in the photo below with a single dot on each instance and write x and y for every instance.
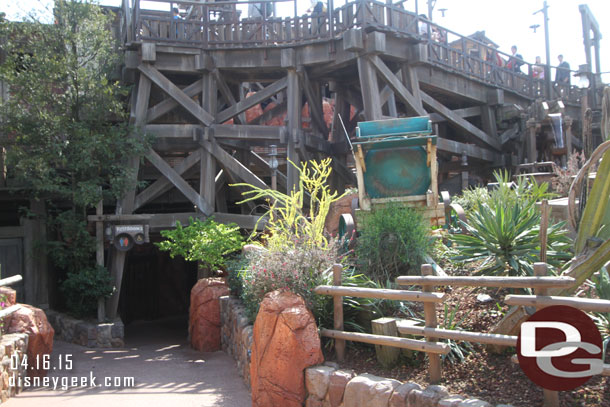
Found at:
(196, 77)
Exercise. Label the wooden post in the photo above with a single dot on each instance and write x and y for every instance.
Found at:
(551, 398)
(387, 356)
(430, 316)
(544, 225)
(370, 89)
(532, 127)
(338, 313)
(294, 126)
(99, 256)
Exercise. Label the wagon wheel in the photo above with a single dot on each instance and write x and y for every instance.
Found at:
(347, 231)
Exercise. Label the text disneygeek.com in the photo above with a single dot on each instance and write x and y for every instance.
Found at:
(72, 382)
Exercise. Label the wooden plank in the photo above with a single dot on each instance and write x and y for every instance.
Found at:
(179, 183)
(395, 84)
(484, 281)
(11, 231)
(477, 337)
(405, 343)
(207, 176)
(177, 94)
(471, 150)
(409, 72)
(163, 185)
(475, 133)
(11, 280)
(252, 100)
(188, 131)
(232, 165)
(370, 89)
(8, 311)
(584, 304)
(247, 132)
(381, 293)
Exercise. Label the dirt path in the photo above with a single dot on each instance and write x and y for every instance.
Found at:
(165, 370)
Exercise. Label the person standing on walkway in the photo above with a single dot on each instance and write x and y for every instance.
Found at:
(562, 73)
(516, 60)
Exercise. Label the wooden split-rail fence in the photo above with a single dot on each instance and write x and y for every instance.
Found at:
(391, 328)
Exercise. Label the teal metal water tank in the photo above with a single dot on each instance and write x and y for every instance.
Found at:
(399, 171)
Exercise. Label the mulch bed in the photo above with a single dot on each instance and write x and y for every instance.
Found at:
(483, 374)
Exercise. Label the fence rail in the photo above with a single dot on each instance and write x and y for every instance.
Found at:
(6, 282)
(388, 329)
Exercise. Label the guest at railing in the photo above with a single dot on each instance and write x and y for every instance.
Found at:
(316, 7)
(515, 61)
(562, 73)
(422, 26)
(538, 69)
(176, 17)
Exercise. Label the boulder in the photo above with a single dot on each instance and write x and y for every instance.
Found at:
(33, 322)
(450, 401)
(401, 394)
(336, 388)
(285, 342)
(10, 296)
(474, 403)
(204, 318)
(369, 391)
(317, 379)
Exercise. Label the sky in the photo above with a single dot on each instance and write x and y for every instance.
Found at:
(504, 22)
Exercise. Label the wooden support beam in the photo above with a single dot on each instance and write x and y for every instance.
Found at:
(480, 153)
(226, 93)
(370, 89)
(207, 177)
(247, 132)
(163, 185)
(396, 85)
(174, 131)
(201, 203)
(252, 100)
(293, 122)
(139, 109)
(231, 164)
(476, 134)
(315, 106)
(409, 75)
(177, 94)
(170, 103)
(472, 111)
(488, 121)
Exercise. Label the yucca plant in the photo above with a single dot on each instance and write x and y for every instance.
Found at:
(504, 232)
(458, 349)
(602, 319)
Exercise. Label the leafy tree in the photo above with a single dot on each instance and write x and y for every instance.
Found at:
(65, 123)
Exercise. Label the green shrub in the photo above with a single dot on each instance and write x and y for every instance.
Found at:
(471, 198)
(206, 241)
(81, 290)
(602, 319)
(393, 241)
(504, 232)
(235, 267)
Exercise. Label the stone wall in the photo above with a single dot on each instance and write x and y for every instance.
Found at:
(328, 386)
(84, 333)
(12, 344)
(236, 334)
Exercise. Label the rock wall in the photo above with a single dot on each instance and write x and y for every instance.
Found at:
(328, 386)
(89, 334)
(236, 334)
(12, 345)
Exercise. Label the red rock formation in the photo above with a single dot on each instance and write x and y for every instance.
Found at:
(285, 343)
(33, 322)
(204, 318)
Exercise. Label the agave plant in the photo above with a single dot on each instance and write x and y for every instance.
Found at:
(504, 232)
(458, 350)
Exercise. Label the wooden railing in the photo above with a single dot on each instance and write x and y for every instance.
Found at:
(214, 25)
(6, 282)
(540, 283)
